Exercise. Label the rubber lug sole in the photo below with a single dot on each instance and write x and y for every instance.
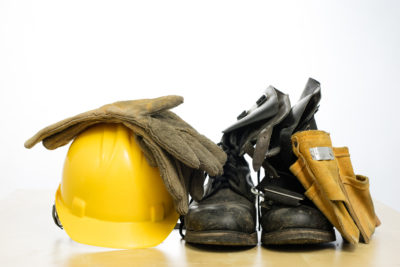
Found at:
(297, 236)
(224, 238)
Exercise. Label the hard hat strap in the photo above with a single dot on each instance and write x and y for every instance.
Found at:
(55, 217)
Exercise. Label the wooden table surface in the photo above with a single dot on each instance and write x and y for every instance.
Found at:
(28, 237)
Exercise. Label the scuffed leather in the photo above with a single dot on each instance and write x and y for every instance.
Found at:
(300, 118)
(225, 210)
(258, 125)
(322, 182)
(266, 110)
(178, 150)
(281, 217)
(228, 203)
(356, 187)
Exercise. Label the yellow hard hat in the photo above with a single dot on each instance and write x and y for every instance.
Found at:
(109, 195)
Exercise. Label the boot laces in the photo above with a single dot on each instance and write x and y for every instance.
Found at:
(231, 169)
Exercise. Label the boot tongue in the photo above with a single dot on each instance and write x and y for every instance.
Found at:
(236, 174)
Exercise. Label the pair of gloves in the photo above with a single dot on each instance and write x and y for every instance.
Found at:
(168, 142)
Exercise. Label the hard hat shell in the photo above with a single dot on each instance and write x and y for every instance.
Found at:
(109, 195)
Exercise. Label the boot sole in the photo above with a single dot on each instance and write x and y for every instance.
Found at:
(297, 236)
(225, 238)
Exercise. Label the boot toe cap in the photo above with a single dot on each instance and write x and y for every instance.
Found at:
(303, 216)
(221, 216)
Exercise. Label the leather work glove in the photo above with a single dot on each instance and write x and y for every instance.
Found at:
(317, 170)
(178, 150)
(357, 191)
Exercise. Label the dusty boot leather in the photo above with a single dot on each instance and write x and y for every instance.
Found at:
(300, 118)
(317, 170)
(258, 123)
(227, 214)
(299, 222)
(356, 187)
(287, 217)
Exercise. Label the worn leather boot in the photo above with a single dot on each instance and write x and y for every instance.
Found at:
(287, 216)
(226, 215)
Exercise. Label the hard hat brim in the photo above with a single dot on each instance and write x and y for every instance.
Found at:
(125, 235)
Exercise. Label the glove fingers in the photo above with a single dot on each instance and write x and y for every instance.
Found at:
(106, 113)
(185, 147)
(146, 151)
(215, 150)
(207, 152)
(61, 126)
(208, 161)
(169, 173)
(174, 120)
(65, 136)
(196, 187)
(194, 181)
(169, 139)
(156, 105)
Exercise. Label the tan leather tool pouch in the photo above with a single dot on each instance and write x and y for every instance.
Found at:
(317, 170)
(356, 188)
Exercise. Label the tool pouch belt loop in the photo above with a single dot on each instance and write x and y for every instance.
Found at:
(319, 174)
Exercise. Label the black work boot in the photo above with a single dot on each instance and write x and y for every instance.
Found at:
(226, 215)
(287, 217)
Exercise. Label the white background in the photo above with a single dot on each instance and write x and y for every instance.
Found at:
(60, 58)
